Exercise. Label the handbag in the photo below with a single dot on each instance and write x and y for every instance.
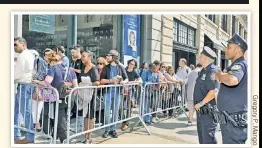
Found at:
(44, 94)
(63, 88)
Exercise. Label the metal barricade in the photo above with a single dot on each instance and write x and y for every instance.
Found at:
(162, 98)
(32, 109)
(102, 107)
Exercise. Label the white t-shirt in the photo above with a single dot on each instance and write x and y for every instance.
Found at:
(191, 83)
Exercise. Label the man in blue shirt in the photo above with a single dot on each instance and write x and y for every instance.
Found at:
(232, 96)
(150, 76)
(112, 74)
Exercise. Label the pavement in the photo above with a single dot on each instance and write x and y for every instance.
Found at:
(166, 131)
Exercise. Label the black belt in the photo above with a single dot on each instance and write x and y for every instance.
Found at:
(237, 119)
(207, 109)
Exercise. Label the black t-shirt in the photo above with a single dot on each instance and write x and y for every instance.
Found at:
(132, 75)
(77, 65)
(92, 73)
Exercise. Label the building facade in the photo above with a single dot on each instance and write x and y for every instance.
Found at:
(144, 37)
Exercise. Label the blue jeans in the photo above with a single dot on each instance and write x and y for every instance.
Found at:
(146, 107)
(112, 99)
(23, 99)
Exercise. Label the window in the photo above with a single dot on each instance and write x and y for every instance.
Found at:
(175, 31)
(233, 25)
(183, 33)
(224, 22)
(240, 29)
(41, 38)
(211, 17)
(93, 36)
(191, 37)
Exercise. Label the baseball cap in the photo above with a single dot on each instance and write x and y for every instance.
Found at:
(113, 52)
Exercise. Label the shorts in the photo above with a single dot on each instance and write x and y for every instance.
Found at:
(190, 104)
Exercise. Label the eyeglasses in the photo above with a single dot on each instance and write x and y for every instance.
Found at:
(163, 67)
(100, 64)
(132, 64)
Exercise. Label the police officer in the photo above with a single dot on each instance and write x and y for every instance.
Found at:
(204, 94)
(232, 97)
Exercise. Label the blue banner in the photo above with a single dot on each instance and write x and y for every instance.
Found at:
(42, 23)
(131, 37)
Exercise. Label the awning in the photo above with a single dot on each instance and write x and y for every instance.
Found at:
(217, 44)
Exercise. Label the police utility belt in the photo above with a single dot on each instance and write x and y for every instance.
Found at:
(237, 119)
(222, 117)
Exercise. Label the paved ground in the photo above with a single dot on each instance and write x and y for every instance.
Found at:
(168, 131)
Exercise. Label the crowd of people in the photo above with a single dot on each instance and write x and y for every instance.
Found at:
(54, 69)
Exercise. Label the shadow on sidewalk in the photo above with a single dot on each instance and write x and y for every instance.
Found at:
(169, 125)
(188, 132)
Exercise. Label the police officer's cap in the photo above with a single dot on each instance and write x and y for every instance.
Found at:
(209, 52)
(238, 40)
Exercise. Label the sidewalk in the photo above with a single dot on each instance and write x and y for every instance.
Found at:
(166, 131)
(169, 131)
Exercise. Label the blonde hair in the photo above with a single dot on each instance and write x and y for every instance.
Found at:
(53, 58)
(102, 60)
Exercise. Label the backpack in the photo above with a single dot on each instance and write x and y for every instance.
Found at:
(63, 88)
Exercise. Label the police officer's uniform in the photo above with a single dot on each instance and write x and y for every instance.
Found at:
(232, 100)
(206, 82)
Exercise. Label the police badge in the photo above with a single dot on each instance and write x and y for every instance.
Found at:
(213, 76)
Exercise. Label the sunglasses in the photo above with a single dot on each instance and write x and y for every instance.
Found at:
(15, 44)
(100, 64)
(163, 67)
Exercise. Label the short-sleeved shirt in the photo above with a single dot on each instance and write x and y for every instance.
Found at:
(182, 73)
(92, 73)
(191, 83)
(65, 61)
(132, 75)
(77, 64)
(120, 70)
(149, 77)
(233, 99)
(204, 83)
(57, 73)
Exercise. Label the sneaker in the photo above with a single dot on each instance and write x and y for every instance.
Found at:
(189, 123)
(154, 120)
(105, 135)
(113, 134)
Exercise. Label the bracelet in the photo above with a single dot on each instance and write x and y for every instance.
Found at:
(201, 103)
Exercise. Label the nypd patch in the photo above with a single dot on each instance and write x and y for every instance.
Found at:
(213, 76)
(235, 67)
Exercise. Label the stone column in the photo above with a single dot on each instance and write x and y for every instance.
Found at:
(18, 21)
(229, 25)
(167, 39)
(200, 32)
(218, 37)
